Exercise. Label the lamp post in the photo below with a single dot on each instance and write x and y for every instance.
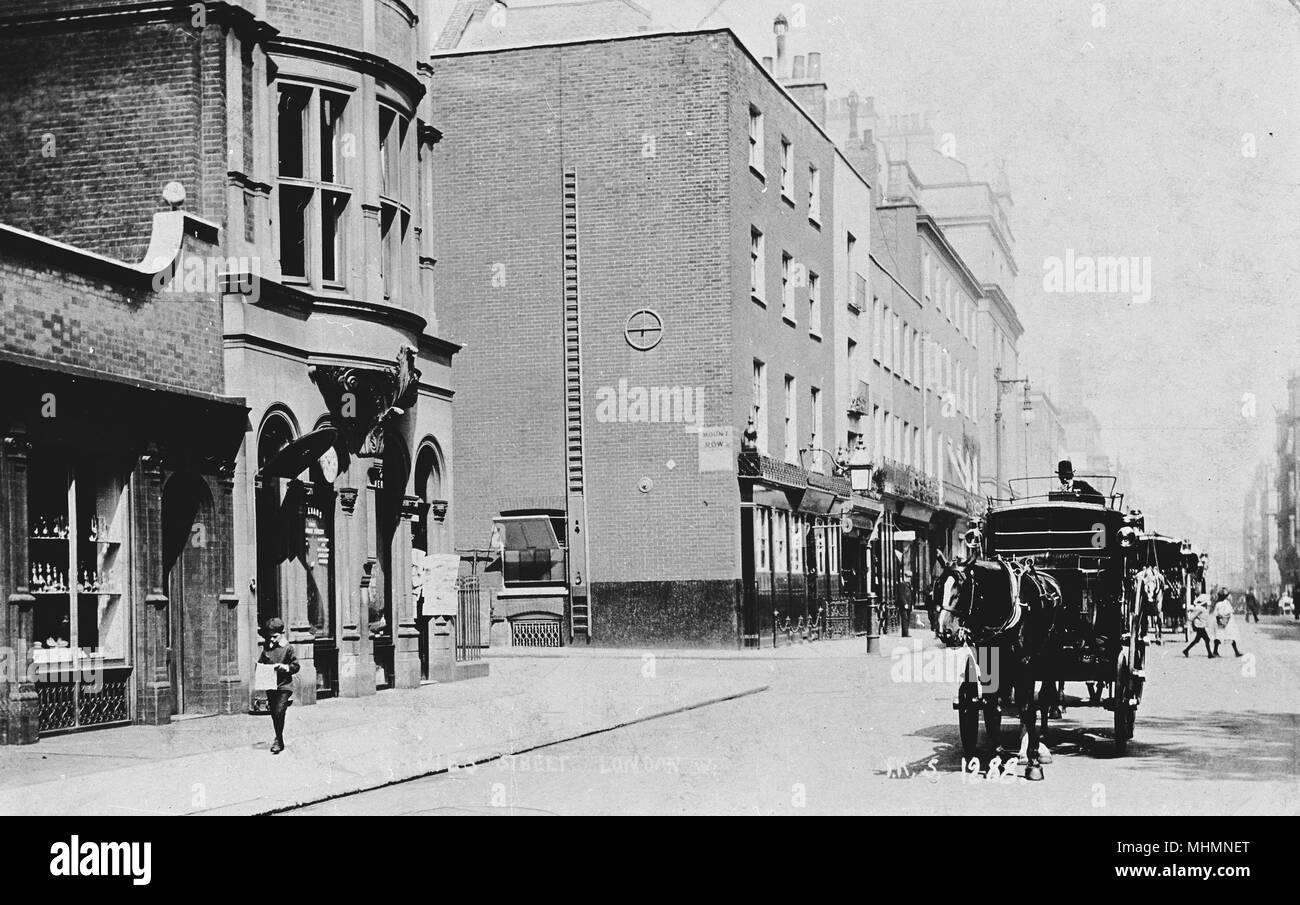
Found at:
(860, 480)
(1026, 413)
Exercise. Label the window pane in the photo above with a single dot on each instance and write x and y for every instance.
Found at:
(331, 112)
(331, 223)
(387, 149)
(293, 230)
(292, 124)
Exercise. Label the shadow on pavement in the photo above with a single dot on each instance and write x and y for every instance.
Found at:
(1222, 745)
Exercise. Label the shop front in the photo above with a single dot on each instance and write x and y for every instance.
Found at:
(116, 535)
(791, 532)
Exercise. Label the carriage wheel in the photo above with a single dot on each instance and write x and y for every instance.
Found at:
(968, 717)
(1123, 711)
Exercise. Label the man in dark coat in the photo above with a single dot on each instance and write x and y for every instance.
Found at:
(1070, 485)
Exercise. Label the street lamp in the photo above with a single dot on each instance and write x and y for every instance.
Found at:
(860, 468)
(839, 459)
(1026, 415)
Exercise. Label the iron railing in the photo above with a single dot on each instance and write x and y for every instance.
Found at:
(469, 624)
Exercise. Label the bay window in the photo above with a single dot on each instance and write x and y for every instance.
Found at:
(312, 185)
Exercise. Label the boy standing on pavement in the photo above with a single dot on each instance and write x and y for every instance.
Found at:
(279, 654)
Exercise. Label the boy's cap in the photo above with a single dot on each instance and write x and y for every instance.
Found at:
(274, 624)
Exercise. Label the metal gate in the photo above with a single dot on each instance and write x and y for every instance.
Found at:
(469, 625)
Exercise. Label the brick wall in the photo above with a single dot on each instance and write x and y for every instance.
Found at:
(328, 21)
(100, 120)
(763, 332)
(66, 318)
(652, 234)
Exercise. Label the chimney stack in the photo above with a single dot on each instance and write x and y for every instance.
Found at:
(853, 117)
(780, 26)
(797, 71)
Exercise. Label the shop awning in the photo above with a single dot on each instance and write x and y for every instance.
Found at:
(297, 456)
(917, 512)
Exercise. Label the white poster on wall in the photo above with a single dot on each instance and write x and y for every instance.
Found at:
(433, 579)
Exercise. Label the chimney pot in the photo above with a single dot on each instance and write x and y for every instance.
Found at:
(767, 63)
(815, 67)
(798, 72)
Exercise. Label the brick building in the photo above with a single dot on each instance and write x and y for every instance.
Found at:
(973, 217)
(923, 365)
(642, 251)
(300, 134)
(116, 529)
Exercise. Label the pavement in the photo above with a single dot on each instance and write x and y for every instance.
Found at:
(222, 764)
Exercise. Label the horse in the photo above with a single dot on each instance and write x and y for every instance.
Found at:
(1151, 600)
(1010, 606)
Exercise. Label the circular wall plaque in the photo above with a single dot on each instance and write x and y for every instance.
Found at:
(644, 330)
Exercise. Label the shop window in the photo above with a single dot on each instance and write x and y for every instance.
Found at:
(780, 541)
(798, 545)
(78, 543)
(534, 552)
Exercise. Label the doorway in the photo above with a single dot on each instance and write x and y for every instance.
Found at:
(191, 572)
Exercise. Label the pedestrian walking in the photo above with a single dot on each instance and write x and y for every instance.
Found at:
(1199, 615)
(279, 655)
(1225, 626)
(1252, 605)
(1286, 605)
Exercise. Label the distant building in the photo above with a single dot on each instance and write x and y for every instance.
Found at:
(915, 164)
(1286, 482)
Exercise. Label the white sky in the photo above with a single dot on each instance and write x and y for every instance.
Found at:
(1125, 139)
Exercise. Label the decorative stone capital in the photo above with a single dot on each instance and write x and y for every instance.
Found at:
(21, 598)
(348, 499)
(411, 507)
(17, 445)
(365, 402)
(226, 472)
(151, 461)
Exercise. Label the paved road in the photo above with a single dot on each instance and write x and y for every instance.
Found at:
(835, 732)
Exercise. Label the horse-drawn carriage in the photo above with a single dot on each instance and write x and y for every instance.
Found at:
(1164, 585)
(1046, 596)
